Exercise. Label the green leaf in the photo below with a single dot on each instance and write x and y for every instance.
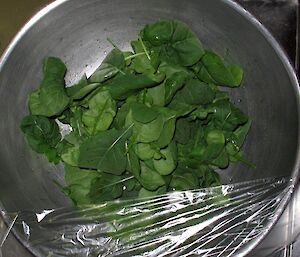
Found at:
(157, 94)
(214, 68)
(144, 193)
(175, 42)
(241, 132)
(183, 130)
(215, 140)
(145, 133)
(79, 184)
(133, 163)
(167, 165)
(71, 156)
(207, 176)
(79, 132)
(143, 113)
(119, 120)
(142, 63)
(182, 109)
(81, 89)
(144, 151)
(150, 179)
(182, 180)
(54, 67)
(42, 134)
(222, 161)
(54, 99)
(202, 112)
(51, 98)
(104, 151)
(125, 85)
(215, 137)
(106, 187)
(101, 112)
(168, 130)
(227, 116)
(173, 84)
(196, 92)
(113, 64)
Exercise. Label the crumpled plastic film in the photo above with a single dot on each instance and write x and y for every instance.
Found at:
(219, 221)
(284, 238)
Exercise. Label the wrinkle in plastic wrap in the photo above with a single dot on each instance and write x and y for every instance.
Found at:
(4, 229)
(219, 221)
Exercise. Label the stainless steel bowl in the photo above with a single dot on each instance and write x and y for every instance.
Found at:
(77, 31)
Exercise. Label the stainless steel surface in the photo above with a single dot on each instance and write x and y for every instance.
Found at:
(77, 31)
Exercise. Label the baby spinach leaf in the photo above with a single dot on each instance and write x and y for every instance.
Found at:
(105, 187)
(79, 132)
(143, 113)
(168, 130)
(202, 112)
(113, 64)
(143, 62)
(173, 84)
(214, 70)
(79, 184)
(129, 182)
(119, 121)
(42, 134)
(54, 100)
(233, 147)
(150, 179)
(227, 116)
(35, 105)
(166, 165)
(72, 90)
(182, 132)
(81, 89)
(124, 85)
(105, 151)
(175, 42)
(54, 67)
(101, 112)
(144, 151)
(133, 163)
(241, 132)
(222, 161)
(51, 98)
(196, 92)
(71, 156)
(157, 94)
(144, 193)
(145, 133)
(210, 178)
(182, 180)
(215, 140)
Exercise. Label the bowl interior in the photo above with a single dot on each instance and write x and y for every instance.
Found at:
(77, 32)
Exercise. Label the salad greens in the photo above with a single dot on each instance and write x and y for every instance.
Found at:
(147, 121)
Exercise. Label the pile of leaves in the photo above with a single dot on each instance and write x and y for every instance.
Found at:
(147, 121)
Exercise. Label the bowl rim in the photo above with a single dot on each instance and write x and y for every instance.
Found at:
(285, 60)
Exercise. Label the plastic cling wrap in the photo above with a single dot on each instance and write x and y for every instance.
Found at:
(219, 221)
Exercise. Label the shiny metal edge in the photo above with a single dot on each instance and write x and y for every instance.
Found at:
(268, 36)
(28, 25)
(295, 83)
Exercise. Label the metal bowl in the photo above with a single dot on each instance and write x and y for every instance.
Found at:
(77, 31)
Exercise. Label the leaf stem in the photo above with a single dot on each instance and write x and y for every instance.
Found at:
(113, 44)
(144, 48)
(133, 56)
